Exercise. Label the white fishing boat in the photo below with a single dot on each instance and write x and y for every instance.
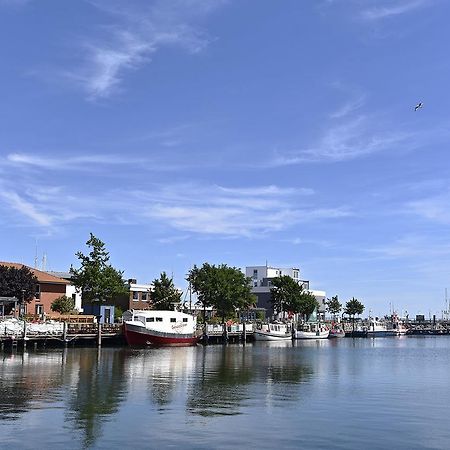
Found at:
(336, 333)
(160, 328)
(273, 332)
(313, 330)
(379, 328)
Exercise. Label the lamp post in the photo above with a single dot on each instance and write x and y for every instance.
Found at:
(22, 305)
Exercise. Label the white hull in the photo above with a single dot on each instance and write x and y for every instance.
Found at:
(268, 336)
(312, 334)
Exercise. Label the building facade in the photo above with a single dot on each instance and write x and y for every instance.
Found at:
(261, 281)
(48, 289)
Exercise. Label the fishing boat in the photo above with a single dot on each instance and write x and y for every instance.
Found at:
(312, 331)
(336, 333)
(378, 328)
(272, 332)
(160, 328)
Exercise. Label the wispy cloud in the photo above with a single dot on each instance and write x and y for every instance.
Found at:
(134, 36)
(69, 163)
(26, 208)
(351, 139)
(190, 209)
(349, 107)
(434, 208)
(393, 9)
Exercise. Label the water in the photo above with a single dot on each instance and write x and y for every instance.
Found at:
(342, 394)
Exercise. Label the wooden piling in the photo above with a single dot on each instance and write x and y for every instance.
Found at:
(99, 334)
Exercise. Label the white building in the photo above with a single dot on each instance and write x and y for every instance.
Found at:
(261, 280)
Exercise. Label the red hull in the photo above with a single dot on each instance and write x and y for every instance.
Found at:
(146, 337)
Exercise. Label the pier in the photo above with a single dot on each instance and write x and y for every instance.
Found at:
(29, 334)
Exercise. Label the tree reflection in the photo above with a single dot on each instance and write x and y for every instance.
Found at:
(99, 390)
(231, 377)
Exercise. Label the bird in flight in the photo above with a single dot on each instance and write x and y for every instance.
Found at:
(418, 106)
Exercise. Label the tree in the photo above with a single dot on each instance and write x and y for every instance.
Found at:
(334, 306)
(97, 280)
(20, 283)
(306, 304)
(224, 288)
(285, 294)
(353, 307)
(164, 294)
(63, 304)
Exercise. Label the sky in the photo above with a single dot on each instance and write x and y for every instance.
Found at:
(238, 132)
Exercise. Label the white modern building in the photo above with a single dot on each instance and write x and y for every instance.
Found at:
(261, 280)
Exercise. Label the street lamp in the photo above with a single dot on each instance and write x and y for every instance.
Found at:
(22, 306)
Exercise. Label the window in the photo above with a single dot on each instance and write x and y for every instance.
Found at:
(38, 291)
(39, 310)
(74, 297)
(295, 273)
(150, 319)
(159, 319)
(184, 319)
(135, 296)
(144, 296)
(255, 273)
(172, 319)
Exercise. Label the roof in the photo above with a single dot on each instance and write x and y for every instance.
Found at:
(43, 277)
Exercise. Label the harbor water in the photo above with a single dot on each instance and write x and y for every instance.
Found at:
(343, 393)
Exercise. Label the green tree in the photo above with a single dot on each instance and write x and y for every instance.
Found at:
(97, 280)
(164, 294)
(224, 288)
(306, 304)
(20, 283)
(285, 294)
(334, 306)
(63, 304)
(353, 307)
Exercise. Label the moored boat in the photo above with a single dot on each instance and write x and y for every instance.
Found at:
(312, 331)
(160, 328)
(336, 333)
(378, 328)
(273, 332)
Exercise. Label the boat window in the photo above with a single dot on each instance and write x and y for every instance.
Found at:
(185, 319)
(172, 319)
(159, 319)
(150, 319)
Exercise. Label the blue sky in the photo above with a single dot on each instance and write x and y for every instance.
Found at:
(235, 132)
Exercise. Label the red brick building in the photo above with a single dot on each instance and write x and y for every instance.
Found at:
(49, 288)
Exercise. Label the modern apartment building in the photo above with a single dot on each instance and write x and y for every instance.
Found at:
(261, 280)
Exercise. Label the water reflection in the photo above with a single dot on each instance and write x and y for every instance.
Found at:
(27, 379)
(96, 389)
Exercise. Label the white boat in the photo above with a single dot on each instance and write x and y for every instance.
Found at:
(378, 328)
(273, 332)
(312, 331)
(160, 328)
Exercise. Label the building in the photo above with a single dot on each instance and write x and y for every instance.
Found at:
(137, 297)
(48, 288)
(261, 281)
(71, 290)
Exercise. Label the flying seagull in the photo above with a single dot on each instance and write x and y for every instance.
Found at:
(418, 106)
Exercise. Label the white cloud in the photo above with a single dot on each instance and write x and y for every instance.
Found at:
(26, 208)
(349, 107)
(349, 140)
(393, 9)
(136, 34)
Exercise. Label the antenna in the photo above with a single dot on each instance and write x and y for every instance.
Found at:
(44, 262)
(36, 255)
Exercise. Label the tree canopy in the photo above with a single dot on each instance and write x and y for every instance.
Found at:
(63, 304)
(224, 288)
(20, 283)
(334, 306)
(287, 295)
(96, 278)
(164, 294)
(353, 307)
